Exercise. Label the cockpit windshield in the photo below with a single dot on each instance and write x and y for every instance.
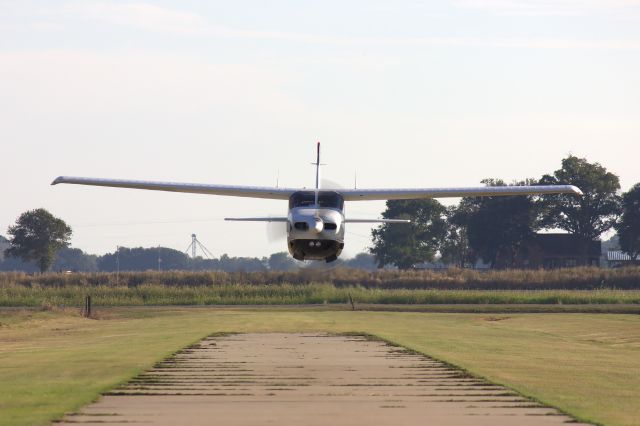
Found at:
(329, 199)
(302, 199)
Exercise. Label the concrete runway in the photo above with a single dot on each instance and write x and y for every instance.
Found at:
(309, 379)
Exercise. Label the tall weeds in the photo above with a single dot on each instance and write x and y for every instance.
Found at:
(569, 286)
(459, 279)
(566, 286)
(289, 294)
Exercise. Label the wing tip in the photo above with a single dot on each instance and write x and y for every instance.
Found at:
(575, 190)
(59, 179)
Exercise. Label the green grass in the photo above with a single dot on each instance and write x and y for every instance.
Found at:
(288, 294)
(587, 365)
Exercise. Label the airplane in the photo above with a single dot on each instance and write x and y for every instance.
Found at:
(315, 224)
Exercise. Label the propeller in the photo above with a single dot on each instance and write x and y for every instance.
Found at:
(329, 184)
(276, 231)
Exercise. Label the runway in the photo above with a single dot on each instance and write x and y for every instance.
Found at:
(309, 379)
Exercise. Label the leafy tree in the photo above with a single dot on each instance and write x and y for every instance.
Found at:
(362, 261)
(404, 245)
(16, 264)
(455, 249)
(74, 259)
(629, 225)
(240, 264)
(497, 227)
(37, 236)
(66, 259)
(13, 263)
(143, 259)
(281, 262)
(588, 216)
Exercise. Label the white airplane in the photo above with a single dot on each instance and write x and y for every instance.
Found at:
(316, 221)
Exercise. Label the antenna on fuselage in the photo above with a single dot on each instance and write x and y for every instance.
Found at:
(318, 167)
(317, 164)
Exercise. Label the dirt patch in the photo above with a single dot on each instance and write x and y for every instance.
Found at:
(310, 379)
(493, 319)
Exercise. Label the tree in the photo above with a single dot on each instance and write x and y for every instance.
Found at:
(13, 263)
(281, 262)
(455, 249)
(588, 216)
(629, 225)
(404, 245)
(37, 236)
(143, 259)
(74, 259)
(240, 264)
(498, 227)
(364, 261)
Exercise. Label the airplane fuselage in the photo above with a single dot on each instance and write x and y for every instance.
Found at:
(315, 225)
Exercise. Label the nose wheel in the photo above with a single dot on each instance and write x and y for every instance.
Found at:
(327, 250)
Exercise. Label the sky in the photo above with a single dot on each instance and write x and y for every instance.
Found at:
(400, 93)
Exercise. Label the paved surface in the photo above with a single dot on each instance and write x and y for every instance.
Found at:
(308, 379)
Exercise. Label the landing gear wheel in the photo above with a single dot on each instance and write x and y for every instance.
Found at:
(331, 258)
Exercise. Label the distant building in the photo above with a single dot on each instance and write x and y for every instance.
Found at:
(432, 266)
(552, 251)
(4, 244)
(618, 258)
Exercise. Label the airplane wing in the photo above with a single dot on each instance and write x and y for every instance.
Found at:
(348, 194)
(193, 188)
(484, 191)
(348, 220)
(256, 219)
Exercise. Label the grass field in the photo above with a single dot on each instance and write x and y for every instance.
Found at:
(587, 365)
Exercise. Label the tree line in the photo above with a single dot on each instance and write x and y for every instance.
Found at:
(41, 248)
(495, 229)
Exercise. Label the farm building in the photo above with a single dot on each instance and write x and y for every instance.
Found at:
(618, 258)
(551, 251)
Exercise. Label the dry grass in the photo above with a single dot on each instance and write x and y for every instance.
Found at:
(451, 279)
(580, 286)
(37, 295)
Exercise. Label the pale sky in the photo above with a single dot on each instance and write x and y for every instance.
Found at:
(406, 93)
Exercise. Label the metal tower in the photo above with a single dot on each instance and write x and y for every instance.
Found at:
(195, 243)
